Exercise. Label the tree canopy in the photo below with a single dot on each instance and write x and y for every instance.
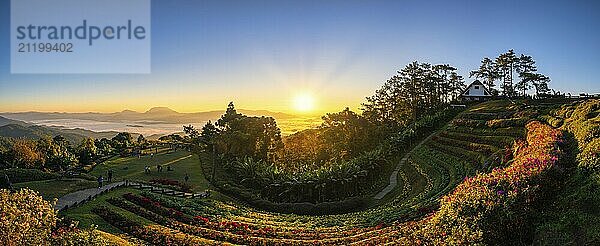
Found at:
(414, 91)
(503, 68)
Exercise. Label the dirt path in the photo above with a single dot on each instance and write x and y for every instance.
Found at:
(394, 176)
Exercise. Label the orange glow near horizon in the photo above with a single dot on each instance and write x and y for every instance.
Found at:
(310, 97)
(299, 103)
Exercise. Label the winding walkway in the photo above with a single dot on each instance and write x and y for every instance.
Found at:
(394, 176)
(78, 197)
(82, 196)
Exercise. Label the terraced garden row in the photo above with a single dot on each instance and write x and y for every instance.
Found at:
(459, 151)
(453, 156)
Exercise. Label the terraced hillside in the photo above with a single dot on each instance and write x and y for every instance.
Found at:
(476, 141)
(479, 136)
(472, 142)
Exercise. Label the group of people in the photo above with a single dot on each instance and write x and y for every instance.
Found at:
(159, 168)
(146, 170)
(101, 178)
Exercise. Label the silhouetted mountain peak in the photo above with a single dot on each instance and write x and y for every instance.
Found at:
(161, 110)
(127, 111)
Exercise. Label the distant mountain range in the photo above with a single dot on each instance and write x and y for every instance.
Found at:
(19, 129)
(154, 115)
(16, 125)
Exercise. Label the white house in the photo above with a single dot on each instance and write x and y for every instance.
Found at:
(476, 91)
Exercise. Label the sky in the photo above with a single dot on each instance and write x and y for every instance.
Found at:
(267, 54)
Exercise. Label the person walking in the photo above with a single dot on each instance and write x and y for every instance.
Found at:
(110, 175)
(187, 177)
(100, 181)
(8, 183)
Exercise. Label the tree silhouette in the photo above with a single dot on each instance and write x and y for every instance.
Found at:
(488, 73)
(525, 67)
(505, 64)
(503, 67)
(414, 91)
(539, 82)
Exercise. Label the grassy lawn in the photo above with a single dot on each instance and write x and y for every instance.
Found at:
(50, 189)
(132, 168)
(87, 218)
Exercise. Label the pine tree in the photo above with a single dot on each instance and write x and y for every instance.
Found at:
(525, 67)
(505, 64)
(488, 73)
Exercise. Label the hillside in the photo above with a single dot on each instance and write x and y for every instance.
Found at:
(74, 136)
(6, 121)
(466, 184)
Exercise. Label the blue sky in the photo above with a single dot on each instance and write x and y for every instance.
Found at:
(262, 53)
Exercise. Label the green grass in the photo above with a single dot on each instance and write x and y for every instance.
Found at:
(132, 168)
(494, 106)
(50, 189)
(87, 218)
(181, 161)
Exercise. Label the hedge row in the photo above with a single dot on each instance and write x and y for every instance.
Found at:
(19, 175)
(583, 121)
(305, 208)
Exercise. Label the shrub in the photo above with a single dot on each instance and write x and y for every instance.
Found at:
(469, 123)
(18, 175)
(554, 121)
(492, 207)
(502, 123)
(589, 157)
(154, 234)
(304, 208)
(84, 237)
(26, 219)
(582, 120)
(173, 184)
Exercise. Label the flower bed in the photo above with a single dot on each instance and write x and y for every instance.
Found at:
(482, 207)
(154, 234)
(173, 184)
(220, 230)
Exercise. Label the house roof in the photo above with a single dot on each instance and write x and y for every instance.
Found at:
(476, 82)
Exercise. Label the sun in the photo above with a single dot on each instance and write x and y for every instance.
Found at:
(304, 102)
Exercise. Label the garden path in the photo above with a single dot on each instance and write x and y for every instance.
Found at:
(79, 196)
(394, 175)
(82, 196)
